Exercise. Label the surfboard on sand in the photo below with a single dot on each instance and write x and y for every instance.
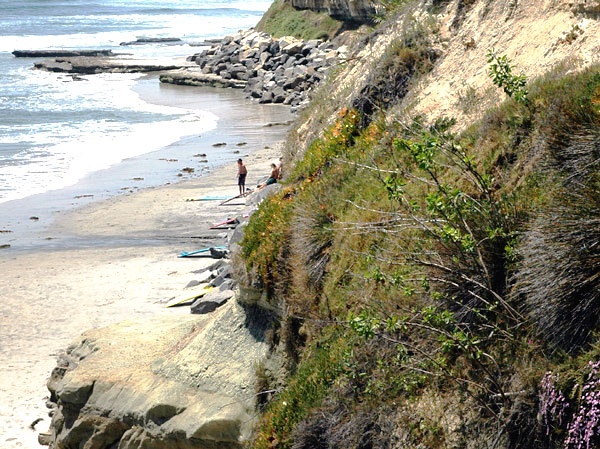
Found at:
(188, 297)
(228, 199)
(208, 198)
(229, 221)
(204, 250)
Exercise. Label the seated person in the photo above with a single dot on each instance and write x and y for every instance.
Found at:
(272, 178)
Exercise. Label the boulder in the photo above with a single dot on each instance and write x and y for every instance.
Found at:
(267, 97)
(225, 271)
(274, 47)
(211, 301)
(227, 285)
(293, 82)
(293, 48)
(218, 253)
(279, 95)
(216, 266)
(264, 57)
(289, 72)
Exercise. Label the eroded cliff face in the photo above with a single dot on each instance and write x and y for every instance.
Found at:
(361, 11)
(535, 35)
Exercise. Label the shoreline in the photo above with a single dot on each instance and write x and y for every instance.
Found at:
(109, 260)
(239, 121)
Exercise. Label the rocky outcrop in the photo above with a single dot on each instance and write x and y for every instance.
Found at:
(92, 65)
(362, 11)
(152, 40)
(187, 77)
(271, 70)
(60, 53)
(166, 382)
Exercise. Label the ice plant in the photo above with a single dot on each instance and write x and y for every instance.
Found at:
(553, 404)
(583, 431)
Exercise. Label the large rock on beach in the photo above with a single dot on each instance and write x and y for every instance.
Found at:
(171, 382)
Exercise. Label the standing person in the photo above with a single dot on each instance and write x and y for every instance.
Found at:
(280, 169)
(242, 172)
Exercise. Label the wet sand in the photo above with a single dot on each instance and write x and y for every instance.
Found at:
(109, 260)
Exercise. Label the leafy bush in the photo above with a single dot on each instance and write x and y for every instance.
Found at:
(501, 73)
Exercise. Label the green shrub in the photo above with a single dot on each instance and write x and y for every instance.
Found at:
(501, 73)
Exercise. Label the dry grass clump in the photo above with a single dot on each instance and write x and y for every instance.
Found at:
(334, 426)
(406, 58)
(560, 269)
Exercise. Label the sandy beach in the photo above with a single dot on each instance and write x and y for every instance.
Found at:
(109, 260)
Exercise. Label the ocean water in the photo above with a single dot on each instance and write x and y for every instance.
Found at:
(54, 131)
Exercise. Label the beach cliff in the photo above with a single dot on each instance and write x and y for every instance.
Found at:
(425, 277)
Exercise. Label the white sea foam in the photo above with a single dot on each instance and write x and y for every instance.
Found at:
(66, 163)
(182, 26)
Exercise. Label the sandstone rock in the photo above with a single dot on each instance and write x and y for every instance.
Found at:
(163, 382)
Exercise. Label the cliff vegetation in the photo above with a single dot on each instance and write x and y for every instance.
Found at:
(437, 268)
(282, 19)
